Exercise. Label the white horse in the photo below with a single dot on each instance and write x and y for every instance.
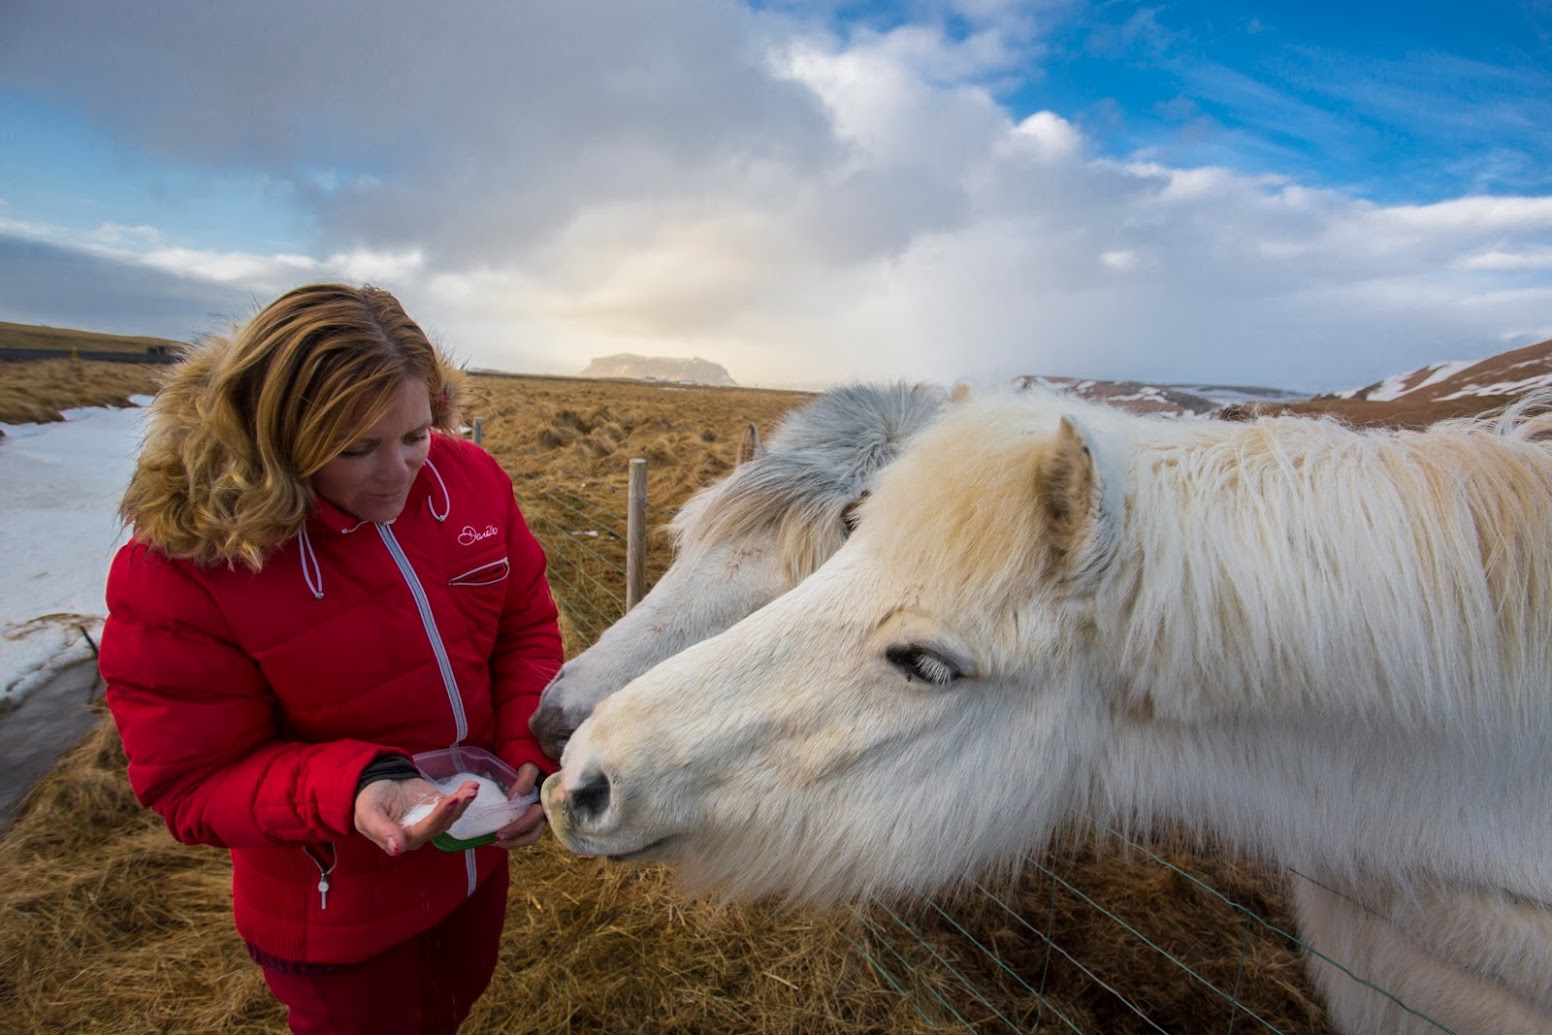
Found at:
(1326, 646)
(741, 543)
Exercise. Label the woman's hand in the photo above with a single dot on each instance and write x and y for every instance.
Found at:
(382, 805)
(525, 829)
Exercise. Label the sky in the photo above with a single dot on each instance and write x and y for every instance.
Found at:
(1304, 195)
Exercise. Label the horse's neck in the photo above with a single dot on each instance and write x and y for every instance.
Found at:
(1346, 796)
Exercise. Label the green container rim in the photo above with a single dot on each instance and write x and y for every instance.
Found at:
(449, 843)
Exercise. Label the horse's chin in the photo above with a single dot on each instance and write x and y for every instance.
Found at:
(658, 851)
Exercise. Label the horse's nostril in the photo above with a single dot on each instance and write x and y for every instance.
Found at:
(591, 799)
(552, 729)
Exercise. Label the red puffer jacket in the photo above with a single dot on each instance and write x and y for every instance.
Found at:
(249, 703)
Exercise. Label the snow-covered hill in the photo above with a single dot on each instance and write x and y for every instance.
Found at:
(1176, 400)
(1510, 373)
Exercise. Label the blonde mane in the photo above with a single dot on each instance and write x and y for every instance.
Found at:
(1403, 572)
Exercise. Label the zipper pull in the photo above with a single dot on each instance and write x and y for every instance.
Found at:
(323, 892)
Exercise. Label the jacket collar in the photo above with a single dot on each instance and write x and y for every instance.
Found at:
(335, 519)
(428, 490)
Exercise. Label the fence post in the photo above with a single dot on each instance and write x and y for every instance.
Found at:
(636, 535)
(477, 435)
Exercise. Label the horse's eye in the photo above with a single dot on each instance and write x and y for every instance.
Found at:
(920, 663)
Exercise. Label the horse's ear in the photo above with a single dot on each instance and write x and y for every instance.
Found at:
(960, 392)
(1082, 526)
(750, 447)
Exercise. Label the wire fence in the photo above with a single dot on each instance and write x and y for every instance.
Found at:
(1049, 950)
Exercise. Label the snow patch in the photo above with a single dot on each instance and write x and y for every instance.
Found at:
(1392, 388)
(1445, 371)
(1504, 387)
(58, 533)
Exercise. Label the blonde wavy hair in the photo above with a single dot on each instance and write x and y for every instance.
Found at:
(243, 423)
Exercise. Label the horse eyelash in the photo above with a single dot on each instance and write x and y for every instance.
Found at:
(923, 664)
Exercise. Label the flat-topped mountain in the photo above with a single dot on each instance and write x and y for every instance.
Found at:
(659, 368)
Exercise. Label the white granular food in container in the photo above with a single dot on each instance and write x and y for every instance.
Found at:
(468, 825)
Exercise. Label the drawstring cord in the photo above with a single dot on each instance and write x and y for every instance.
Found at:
(312, 572)
(447, 499)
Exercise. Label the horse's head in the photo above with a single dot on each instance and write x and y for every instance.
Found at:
(746, 540)
(920, 706)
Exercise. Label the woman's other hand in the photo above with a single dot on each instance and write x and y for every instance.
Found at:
(525, 829)
(381, 807)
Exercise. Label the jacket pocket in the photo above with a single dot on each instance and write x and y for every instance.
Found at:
(487, 574)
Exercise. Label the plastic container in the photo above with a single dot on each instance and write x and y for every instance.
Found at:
(447, 769)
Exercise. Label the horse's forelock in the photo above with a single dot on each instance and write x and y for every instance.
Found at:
(788, 498)
(820, 459)
(960, 511)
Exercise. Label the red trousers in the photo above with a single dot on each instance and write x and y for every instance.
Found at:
(423, 986)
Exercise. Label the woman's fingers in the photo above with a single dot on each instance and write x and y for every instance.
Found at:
(523, 831)
(528, 777)
(372, 820)
(442, 816)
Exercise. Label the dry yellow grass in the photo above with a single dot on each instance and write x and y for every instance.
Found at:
(107, 925)
(36, 390)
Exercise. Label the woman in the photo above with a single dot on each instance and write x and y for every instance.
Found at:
(321, 584)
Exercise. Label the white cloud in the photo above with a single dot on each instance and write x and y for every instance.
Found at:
(1475, 214)
(130, 236)
(228, 267)
(1498, 259)
(1120, 261)
(1047, 135)
(543, 182)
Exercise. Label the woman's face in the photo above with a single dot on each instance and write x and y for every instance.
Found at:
(371, 479)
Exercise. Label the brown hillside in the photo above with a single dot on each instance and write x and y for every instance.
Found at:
(1400, 413)
(1507, 375)
(1429, 394)
(62, 339)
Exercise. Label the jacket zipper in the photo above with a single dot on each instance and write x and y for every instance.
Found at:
(323, 872)
(461, 722)
(449, 682)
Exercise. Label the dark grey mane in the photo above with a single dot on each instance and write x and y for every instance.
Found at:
(822, 457)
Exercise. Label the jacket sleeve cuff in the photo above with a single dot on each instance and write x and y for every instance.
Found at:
(386, 766)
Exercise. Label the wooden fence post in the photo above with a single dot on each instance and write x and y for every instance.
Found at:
(636, 535)
(477, 435)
